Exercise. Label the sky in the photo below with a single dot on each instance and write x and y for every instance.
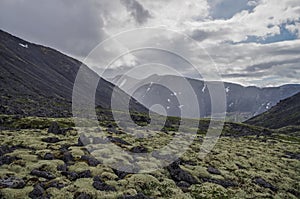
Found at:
(250, 42)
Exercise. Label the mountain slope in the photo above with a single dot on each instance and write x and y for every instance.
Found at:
(285, 113)
(37, 80)
(242, 102)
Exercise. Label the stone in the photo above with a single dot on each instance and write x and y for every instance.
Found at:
(12, 182)
(213, 170)
(43, 174)
(263, 183)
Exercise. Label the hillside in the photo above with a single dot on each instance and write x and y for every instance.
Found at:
(38, 81)
(242, 102)
(285, 113)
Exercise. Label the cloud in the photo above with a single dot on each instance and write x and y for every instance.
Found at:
(73, 27)
(137, 11)
(247, 39)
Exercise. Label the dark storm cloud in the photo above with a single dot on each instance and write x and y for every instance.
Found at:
(137, 11)
(72, 26)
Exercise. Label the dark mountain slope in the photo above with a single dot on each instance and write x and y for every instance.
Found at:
(37, 80)
(285, 113)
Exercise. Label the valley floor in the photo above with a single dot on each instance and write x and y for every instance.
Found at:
(38, 164)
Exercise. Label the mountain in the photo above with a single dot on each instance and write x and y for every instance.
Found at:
(242, 102)
(285, 113)
(38, 81)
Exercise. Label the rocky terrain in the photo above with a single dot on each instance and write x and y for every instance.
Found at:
(247, 162)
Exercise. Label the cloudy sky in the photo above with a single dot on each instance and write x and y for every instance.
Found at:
(251, 42)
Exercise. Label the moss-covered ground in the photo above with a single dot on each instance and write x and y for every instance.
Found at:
(244, 166)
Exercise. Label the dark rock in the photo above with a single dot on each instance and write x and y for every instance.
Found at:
(5, 149)
(12, 182)
(48, 156)
(179, 174)
(223, 183)
(213, 170)
(79, 195)
(90, 160)
(137, 196)
(7, 159)
(139, 149)
(183, 184)
(83, 140)
(74, 176)
(70, 175)
(85, 174)
(121, 174)
(43, 174)
(291, 155)
(261, 182)
(54, 128)
(62, 167)
(67, 157)
(54, 184)
(38, 192)
(101, 186)
(117, 140)
(51, 140)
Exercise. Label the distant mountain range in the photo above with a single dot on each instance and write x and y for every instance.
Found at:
(38, 81)
(285, 113)
(242, 102)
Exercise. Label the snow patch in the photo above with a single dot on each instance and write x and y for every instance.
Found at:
(169, 100)
(123, 82)
(23, 45)
(181, 106)
(204, 87)
(227, 89)
(231, 104)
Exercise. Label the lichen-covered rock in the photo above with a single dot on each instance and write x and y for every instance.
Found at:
(12, 182)
(43, 174)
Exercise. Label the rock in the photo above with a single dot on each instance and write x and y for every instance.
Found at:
(79, 195)
(101, 186)
(291, 155)
(83, 140)
(85, 174)
(263, 183)
(213, 170)
(5, 149)
(7, 159)
(121, 174)
(90, 160)
(117, 140)
(223, 183)
(179, 174)
(51, 140)
(12, 182)
(54, 128)
(74, 176)
(38, 192)
(43, 174)
(54, 184)
(70, 175)
(62, 167)
(48, 156)
(139, 149)
(97, 140)
(67, 157)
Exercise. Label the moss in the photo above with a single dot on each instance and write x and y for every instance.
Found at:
(208, 190)
(8, 193)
